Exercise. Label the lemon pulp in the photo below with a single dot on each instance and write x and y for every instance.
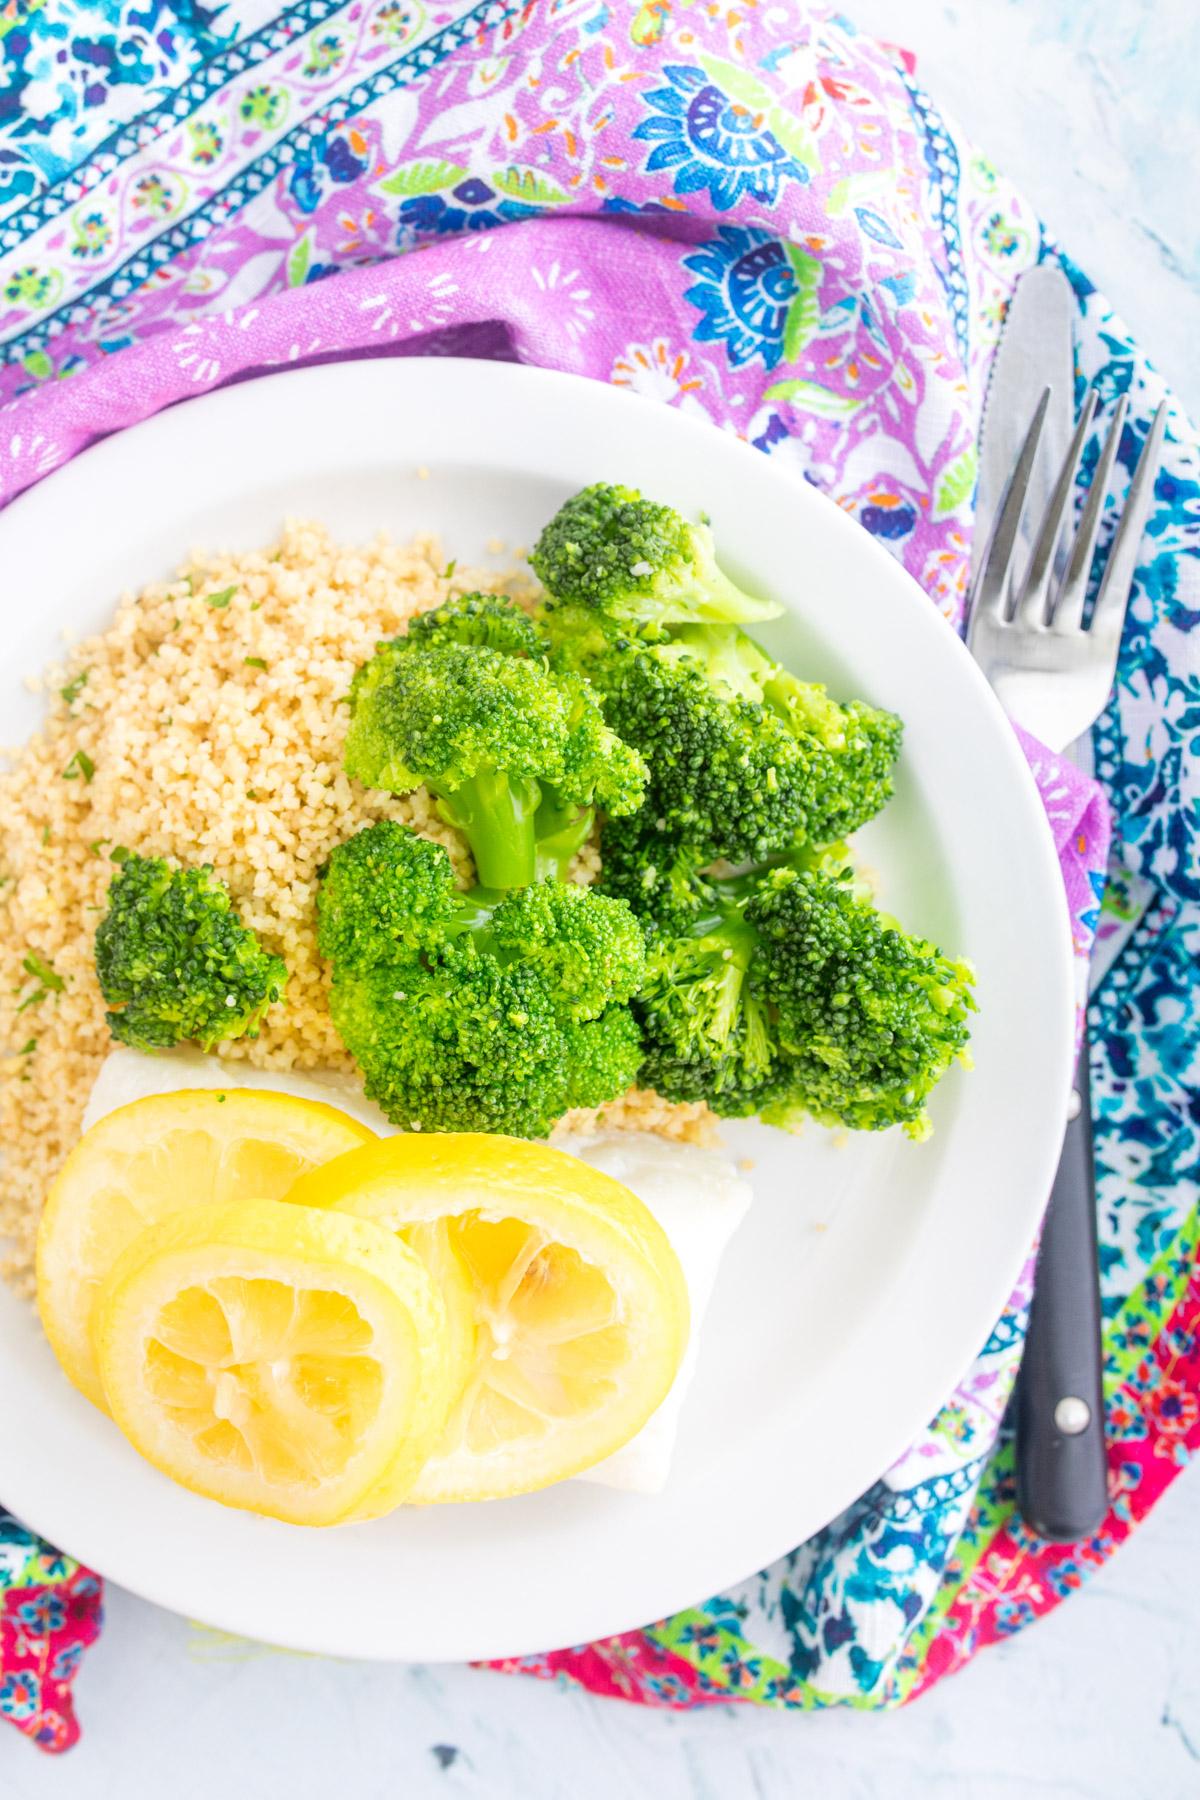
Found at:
(154, 1157)
(295, 1364)
(570, 1307)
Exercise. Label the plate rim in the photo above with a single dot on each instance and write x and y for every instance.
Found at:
(230, 1614)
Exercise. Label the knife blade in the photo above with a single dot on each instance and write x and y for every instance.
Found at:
(1036, 351)
(1059, 1406)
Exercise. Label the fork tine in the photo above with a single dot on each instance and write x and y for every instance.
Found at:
(990, 590)
(1068, 604)
(1108, 615)
(1033, 600)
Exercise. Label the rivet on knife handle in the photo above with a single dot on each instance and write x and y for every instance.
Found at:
(1062, 1467)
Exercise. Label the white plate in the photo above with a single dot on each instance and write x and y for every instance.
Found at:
(866, 1277)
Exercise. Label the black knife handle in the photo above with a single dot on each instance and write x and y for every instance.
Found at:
(1062, 1464)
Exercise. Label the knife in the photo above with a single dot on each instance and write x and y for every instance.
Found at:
(1036, 352)
(1062, 1465)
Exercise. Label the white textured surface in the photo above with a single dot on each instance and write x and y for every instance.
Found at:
(1091, 105)
(1099, 1702)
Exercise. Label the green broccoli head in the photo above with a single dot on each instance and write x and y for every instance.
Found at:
(597, 764)
(848, 752)
(611, 550)
(441, 712)
(706, 1033)
(604, 1056)
(660, 880)
(727, 777)
(494, 737)
(176, 962)
(486, 621)
(474, 1011)
(465, 1045)
(743, 766)
(786, 994)
(384, 893)
(853, 751)
(867, 1018)
(587, 948)
(585, 643)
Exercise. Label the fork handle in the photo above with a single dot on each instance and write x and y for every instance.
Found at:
(1062, 1464)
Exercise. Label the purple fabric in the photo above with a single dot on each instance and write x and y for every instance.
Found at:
(485, 292)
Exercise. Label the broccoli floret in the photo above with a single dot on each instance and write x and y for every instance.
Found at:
(386, 893)
(705, 1031)
(516, 756)
(463, 1046)
(849, 751)
(726, 777)
(176, 962)
(588, 948)
(605, 1057)
(487, 620)
(855, 749)
(745, 760)
(629, 558)
(790, 996)
(867, 1018)
(495, 1011)
(661, 880)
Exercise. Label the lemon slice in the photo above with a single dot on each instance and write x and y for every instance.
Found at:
(158, 1156)
(576, 1308)
(292, 1363)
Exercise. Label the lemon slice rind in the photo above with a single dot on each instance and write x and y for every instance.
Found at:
(576, 1308)
(310, 1415)
(152, 1158)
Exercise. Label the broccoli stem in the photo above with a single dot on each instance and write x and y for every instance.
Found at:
(474, 915)
(806, 707)
(562, 828)
(727, 896)
(495, 813)
(721, 600)
(732, 943)
(729, 656)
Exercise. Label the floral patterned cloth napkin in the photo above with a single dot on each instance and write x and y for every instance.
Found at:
(755, 215)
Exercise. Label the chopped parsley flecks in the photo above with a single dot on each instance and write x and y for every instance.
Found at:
(42, 971)
(80, 764)
(71, 692)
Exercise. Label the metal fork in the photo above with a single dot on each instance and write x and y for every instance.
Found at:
(1053, 672)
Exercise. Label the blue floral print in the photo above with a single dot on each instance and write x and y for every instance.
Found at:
(713, 143)
(471, 206)
(745, 288)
